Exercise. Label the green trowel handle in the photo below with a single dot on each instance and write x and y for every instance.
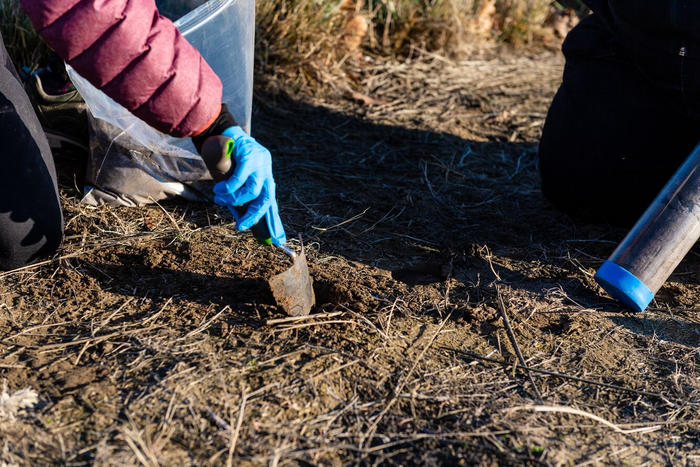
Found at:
(216, 152)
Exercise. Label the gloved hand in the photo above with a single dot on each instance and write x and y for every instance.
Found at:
(251, 181)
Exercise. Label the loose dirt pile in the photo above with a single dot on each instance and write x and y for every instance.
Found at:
(152, 338)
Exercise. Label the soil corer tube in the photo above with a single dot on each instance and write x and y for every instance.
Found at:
(658, 242)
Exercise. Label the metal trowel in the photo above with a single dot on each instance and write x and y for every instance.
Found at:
(292, 288)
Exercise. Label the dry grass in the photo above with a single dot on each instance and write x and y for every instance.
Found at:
(313, 39)
(458, 322)
(23, 44)
(425, 227)
(522, 20)
(316, 47)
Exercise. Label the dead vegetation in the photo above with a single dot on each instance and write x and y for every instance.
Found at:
(305, 41)
(458, 322)
(151, 338)
(21, 40)
(305, 48)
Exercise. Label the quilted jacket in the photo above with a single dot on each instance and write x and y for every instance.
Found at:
(136, 56)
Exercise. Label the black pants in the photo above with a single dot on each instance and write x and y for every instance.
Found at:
(614, 135)
(31, 223)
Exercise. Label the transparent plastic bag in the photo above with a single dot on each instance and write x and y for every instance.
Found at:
(133, 164)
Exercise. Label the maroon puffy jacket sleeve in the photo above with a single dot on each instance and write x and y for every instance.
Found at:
(137, 57)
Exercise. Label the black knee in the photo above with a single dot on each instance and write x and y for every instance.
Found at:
(31, 222)
(23, 243)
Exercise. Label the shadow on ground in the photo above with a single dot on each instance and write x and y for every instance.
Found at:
(418, 240)
(423, 205)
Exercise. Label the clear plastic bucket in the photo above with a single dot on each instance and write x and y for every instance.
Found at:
(224, 33)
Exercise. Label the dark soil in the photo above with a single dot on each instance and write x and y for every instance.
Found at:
(153, 338)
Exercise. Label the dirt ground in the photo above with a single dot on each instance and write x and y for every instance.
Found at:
(153, 339)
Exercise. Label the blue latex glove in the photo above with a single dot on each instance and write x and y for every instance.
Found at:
(251, 182)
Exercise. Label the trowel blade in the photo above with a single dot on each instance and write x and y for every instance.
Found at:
(293, 290)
